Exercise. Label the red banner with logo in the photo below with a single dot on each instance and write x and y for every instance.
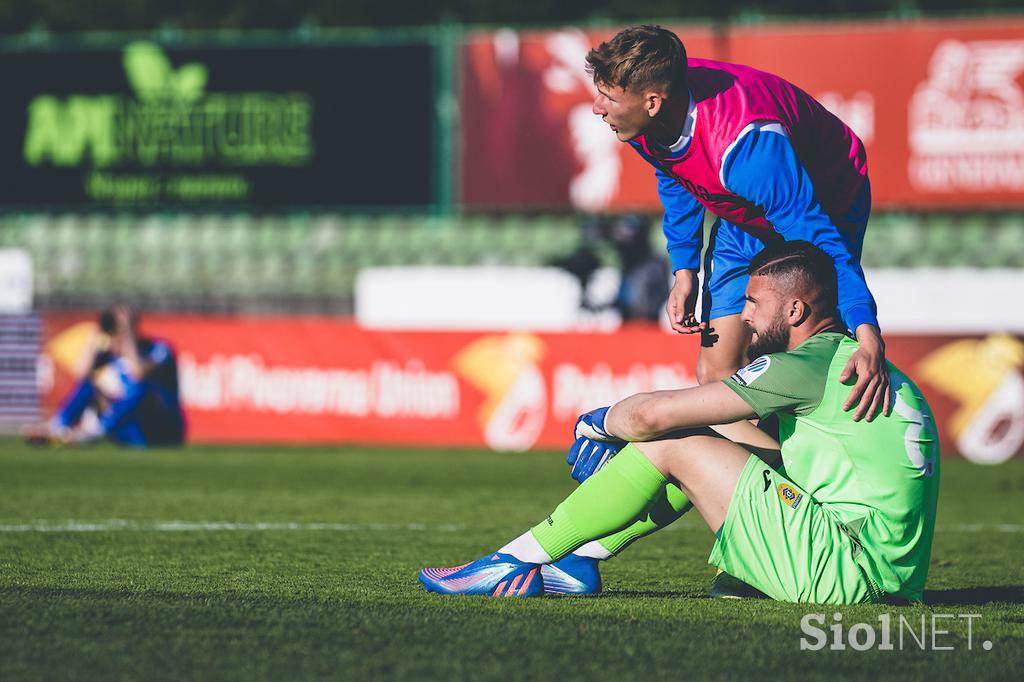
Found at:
(320, 380)
(939, 105)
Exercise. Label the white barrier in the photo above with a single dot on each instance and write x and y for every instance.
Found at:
(947, 301)
(473, 298)
(910, 301)
(15, 281)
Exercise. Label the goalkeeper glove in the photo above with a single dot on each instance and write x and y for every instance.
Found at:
(591, 425)
(593, 446)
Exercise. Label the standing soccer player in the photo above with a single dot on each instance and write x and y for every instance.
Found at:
(765, 158)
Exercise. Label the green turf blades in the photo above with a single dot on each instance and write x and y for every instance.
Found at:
(279, 564)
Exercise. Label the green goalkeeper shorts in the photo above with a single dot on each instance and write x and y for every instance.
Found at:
(780, 540)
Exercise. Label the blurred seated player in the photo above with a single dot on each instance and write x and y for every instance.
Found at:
(129, 393)
(847, 517)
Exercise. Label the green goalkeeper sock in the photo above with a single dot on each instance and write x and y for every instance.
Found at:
(665, 510)
(607, 502)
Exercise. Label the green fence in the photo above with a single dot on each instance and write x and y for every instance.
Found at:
(309, 262)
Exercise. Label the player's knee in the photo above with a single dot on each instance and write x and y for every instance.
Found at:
(709, 371)
(658, 452)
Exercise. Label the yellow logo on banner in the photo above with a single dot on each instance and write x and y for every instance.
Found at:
(984, 377)
(67, 347)
(504, 368)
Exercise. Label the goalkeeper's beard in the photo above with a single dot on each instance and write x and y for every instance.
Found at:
(772, 339)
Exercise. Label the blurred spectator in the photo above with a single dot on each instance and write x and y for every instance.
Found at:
(128, 391)
(644, 287)
(584, 262)
(643, 278)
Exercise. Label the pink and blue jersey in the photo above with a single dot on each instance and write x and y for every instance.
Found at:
(771, 162)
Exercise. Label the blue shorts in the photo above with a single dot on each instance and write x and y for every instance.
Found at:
(730, 251)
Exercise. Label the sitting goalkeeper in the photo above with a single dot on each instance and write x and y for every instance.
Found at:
(847, 516)
(129, 393)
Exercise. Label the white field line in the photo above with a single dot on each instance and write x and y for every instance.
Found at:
(942, 528)
(113, 525)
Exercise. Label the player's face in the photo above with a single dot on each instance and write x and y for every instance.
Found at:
(764, 314)
(624, 110)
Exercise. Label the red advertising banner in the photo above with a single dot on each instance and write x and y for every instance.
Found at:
(939, 105)
(320, 380)
(529, 138)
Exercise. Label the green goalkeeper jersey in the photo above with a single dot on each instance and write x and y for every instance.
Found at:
(879, 479)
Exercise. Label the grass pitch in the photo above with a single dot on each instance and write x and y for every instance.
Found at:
(255, 563)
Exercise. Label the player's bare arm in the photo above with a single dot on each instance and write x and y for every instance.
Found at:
(125, 340)
(126, 343)
(648, 416)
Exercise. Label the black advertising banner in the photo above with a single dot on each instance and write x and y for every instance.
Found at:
(145, 124)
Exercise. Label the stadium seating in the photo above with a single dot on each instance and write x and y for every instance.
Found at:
(308, 262)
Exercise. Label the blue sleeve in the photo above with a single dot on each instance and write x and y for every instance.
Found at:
(123, 408)
(763, 168)
(683, 223)
(135, 391)
(158, 353)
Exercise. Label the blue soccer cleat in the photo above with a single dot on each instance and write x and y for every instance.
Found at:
(572, 574)
(498, 575)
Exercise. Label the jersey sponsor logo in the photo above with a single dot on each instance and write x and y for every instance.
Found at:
(748, 374)
(790, 496)
(691, 187)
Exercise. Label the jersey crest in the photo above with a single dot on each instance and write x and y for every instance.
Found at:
(748, 374)
(790, 495)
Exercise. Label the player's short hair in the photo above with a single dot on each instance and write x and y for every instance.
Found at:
(801, 267)
(640, 57)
